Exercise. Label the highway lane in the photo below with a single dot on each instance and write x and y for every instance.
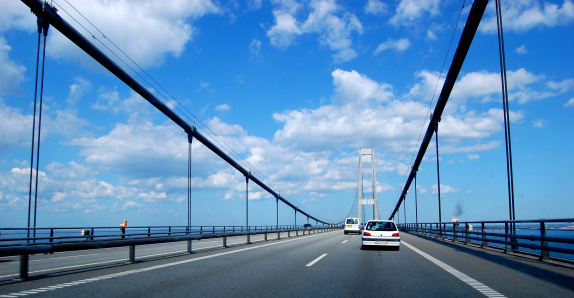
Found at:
(76, 260)
(285, 268)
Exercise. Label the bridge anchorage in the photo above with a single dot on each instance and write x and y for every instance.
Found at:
(372, 201)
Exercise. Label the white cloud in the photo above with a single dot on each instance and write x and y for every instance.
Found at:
(356, 89)
(444, 189)
(376, 7)
(16, 128)
(521, 50)
(397, 45)
(131, 150)
(431, 35)
(285, 30)
(223, 108)
(408, 12)
(150, 29)
(473, 156)
(15, 14)
(523, 86)
(333, 25)
(570, 103)
(540, 123)
(521, 16)
(11, 74)
(254, 48)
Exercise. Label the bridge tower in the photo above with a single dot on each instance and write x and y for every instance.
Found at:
(373, 201)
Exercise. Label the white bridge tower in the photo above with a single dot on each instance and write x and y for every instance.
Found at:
(373, 201)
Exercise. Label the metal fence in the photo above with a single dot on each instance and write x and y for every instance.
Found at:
(24, 242)
(551, 239)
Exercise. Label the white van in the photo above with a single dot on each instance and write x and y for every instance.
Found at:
(352, 225)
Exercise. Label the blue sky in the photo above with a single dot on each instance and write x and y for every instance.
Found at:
(294, 88)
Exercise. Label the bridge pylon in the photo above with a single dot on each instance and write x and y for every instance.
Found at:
(361, 200)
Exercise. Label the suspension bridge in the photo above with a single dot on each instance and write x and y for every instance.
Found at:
(458, 258)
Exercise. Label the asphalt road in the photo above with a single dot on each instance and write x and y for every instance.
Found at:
(323, 265)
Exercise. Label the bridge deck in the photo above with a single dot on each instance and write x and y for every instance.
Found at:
(330, 264)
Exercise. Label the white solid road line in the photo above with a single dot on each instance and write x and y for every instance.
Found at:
(467, 279)
(316, 260)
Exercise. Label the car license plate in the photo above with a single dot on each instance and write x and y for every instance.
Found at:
(381, 242)
(349, 226)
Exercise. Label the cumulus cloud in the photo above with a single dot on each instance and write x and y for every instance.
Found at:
(408, 12)
(570, 103)
(329, 21)
(523, 86)
(376, 7)
(521, 16)
(11, 73)
(16, 128)
(16, 15)
(367, 113)
(150, 29)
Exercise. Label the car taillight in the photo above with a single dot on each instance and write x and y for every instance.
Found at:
(366, 234)
(395, 234)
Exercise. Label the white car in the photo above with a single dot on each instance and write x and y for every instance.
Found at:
(352, 225)
(381, 233)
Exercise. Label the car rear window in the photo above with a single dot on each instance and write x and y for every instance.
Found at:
(352, 221)
(381, 226)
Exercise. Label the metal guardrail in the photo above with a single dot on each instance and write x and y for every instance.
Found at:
(551, 239)
(15, 241)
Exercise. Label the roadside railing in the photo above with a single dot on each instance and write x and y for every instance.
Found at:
(547, 239)
(24, 242)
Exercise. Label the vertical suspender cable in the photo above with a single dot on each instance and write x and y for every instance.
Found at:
(190, 140)
(247, 201)
(437, 172)
(510, 176)
(45, 26)
(40, 22)
(405, 209)
(416, 202)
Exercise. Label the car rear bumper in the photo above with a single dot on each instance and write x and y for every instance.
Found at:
(347, 230)
(382, 241)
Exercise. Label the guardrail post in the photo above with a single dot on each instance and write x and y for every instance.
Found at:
(506, 246)
(24, 266)
(265, 236)
(467, 229)
(454, 233)
(484, 242)
(225, 241)
(132, 258)
(544, 254)
(248, 239)
(189, 246)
